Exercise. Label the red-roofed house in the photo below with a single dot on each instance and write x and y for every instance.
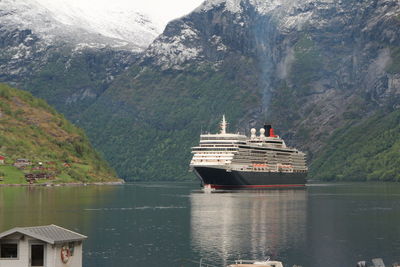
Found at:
(2, 159)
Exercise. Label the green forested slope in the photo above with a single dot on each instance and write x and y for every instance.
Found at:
(147, 122)
(367, 151)
(71, 81)
(31, 129)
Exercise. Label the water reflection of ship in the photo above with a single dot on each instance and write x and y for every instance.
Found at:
(247, 224)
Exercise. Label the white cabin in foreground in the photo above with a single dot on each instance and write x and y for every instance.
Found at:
(41, 246)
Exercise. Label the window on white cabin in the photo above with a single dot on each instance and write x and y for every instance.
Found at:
(8, 250)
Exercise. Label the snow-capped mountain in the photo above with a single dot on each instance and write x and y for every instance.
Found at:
(65, 56)
(115, 27)
(183, 40)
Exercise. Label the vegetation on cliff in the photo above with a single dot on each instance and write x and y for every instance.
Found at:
(369, 151)
(148, 121)
(51, 147)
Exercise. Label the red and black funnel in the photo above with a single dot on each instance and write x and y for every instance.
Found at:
(269, 131)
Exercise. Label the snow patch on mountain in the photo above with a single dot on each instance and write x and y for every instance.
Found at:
(173, 51)
(177, 46)
(276, 7)
(261, 6)
(217, 42)
(124, 28)
(123, 23)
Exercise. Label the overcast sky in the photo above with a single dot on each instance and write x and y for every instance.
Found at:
(161, 11)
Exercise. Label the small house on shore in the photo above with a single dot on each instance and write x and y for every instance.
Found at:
(41, 246)
(22, 163)
(2, 159)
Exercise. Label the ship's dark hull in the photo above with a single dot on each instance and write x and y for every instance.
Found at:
(221, 179)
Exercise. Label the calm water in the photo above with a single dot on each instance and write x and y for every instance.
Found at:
(327, 225)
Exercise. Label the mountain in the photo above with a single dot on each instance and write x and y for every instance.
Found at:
(32, 130)
(309, 67)
(94, 27)
(319, 70)
(65, 55)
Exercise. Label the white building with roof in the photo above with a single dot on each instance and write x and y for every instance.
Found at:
(41, 246)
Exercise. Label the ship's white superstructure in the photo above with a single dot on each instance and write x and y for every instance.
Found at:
(266, 152)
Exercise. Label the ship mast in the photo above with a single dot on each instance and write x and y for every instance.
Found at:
(223, 125)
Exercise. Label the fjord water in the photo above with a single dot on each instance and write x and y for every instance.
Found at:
(175, 224)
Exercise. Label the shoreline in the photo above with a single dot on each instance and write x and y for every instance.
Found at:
(66, 184)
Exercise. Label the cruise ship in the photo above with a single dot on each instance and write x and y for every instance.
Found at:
(235, 161)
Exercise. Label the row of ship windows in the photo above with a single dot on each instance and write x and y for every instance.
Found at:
(246, 152)
(268, 169)
(257, 141)
(268, 162)
(262, 157)
(268, 149)
(249, 156)
(268, 156)
(216, 138)
(214, 149)
(217, 160)
(224, 145)
(212, 158)
(263, 152)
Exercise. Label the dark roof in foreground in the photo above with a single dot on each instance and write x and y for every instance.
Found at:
(52, 234)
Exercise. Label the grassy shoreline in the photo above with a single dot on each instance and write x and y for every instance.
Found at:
(66, 184)
(39, 145)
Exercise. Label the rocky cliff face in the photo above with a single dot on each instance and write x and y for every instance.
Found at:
(309, 67)
(340, 68)
(329, 55)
